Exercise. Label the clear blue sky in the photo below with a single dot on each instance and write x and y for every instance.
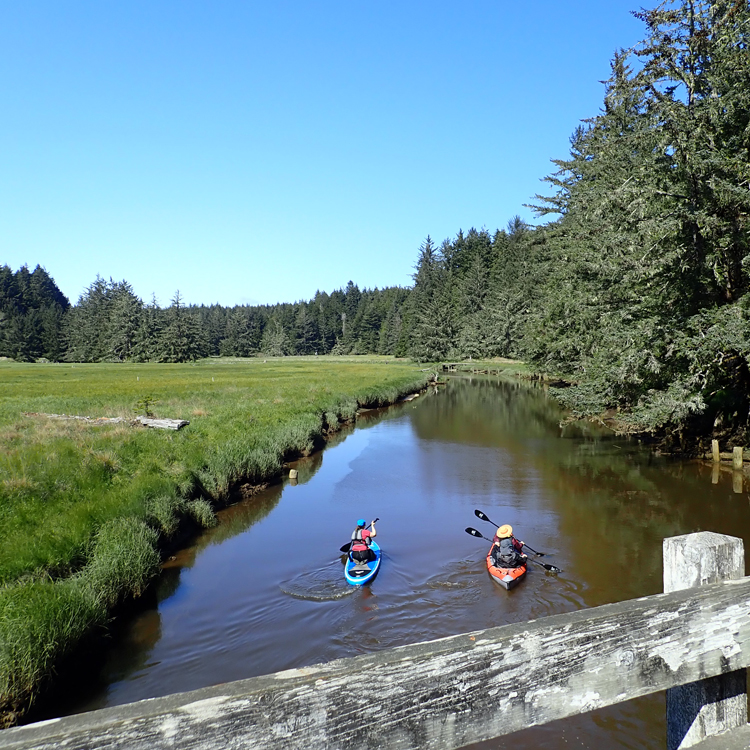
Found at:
(254, 152)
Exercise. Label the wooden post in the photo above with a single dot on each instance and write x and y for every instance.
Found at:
(708, 707)
(715, 451)
(737, 458)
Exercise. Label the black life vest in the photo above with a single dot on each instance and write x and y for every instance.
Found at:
(505, 553)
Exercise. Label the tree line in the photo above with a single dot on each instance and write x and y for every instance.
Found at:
(110, 323)
(635, 288)
(455, 308)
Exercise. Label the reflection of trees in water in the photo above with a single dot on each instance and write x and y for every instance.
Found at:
(239, 517)
(631, 501)
(493, 411)
(615, 500)
(83, 681)
(134, 638)
(169, 580)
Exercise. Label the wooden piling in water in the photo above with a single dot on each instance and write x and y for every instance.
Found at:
(715, 454)
(737, 458)
(718, 704)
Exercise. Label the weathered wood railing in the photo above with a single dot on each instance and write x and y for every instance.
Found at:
(444, 694)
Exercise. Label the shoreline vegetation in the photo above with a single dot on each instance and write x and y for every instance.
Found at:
(88, 510)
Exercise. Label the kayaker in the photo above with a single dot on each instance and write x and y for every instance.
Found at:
(507, 551)
(360, 550)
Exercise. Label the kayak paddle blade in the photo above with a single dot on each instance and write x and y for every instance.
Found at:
(546, 566)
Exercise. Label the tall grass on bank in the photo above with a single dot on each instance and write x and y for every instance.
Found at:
(85, 508)
(39, 622)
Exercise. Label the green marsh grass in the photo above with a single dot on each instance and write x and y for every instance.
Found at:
(84, 507)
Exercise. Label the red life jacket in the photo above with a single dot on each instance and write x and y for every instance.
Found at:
(360, 539)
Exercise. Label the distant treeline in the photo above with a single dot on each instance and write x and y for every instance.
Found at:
(637, 289)
(109, 323)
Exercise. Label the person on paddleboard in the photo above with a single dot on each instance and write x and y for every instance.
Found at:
(361, 538)
(507, 551)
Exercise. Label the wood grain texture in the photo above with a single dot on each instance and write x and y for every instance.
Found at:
(712, 706)
(441, 694)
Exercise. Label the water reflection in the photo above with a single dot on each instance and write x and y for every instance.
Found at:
(264, 591)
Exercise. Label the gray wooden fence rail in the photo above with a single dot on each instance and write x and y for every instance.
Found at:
(447, 693)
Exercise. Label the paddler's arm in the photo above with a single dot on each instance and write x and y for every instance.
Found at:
(373, 533)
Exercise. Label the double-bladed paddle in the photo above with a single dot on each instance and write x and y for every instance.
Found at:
(546, 566)
(346, 547)
(479, 514)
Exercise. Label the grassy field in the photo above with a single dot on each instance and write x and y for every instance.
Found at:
(85, 508)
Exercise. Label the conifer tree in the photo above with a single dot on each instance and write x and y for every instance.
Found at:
(434, 321)
(242, 334)
(181, 339)
(147, 337)
(32, 309)
(275, 342)
(654, 224)
(305, 331)
(124, 321)
(88, 322)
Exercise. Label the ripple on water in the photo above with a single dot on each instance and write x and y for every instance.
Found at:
(424, 611)
(324, 584)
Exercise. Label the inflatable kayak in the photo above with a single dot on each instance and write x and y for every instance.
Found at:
(508, 578)
(358, 573)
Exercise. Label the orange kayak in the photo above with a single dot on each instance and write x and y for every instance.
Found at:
(508, 578)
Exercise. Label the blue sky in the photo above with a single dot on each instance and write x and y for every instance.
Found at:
(254, 152)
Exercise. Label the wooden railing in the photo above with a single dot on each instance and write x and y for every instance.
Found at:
(693, 640)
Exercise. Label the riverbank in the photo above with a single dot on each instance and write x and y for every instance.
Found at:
(87, 509)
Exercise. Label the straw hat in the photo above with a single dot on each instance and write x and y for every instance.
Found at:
(505, 531)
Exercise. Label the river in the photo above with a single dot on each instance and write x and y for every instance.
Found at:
(264, 590)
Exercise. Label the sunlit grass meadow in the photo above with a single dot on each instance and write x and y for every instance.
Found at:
(85, 508)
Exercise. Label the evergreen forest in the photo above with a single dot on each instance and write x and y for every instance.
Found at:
(634, 289)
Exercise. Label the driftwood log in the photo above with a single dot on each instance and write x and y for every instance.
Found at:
(163, 424)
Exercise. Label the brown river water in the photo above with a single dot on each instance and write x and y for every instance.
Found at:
(264, 591)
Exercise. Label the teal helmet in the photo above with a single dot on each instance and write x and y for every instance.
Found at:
(361, 522)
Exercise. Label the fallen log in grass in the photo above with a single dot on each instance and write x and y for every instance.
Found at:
(163, 424)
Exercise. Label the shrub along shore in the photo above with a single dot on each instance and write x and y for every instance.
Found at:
(86, 509)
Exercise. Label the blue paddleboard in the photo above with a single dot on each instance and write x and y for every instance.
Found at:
(358, 573)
